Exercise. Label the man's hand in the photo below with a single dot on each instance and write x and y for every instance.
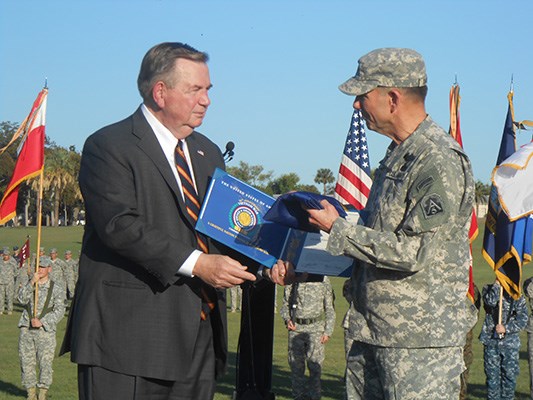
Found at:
(221, 271)
(324, 339)
(291, 326)
(282, 273)
(36, 323)
(323, 219)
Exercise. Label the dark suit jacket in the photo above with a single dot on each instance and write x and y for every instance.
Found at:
(131, 313)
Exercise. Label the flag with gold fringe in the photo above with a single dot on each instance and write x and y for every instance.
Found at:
(507, 245)
(30, 159)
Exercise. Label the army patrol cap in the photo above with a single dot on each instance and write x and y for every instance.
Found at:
(44, 261)
(53, 250)
(388, 67)
(5, 251)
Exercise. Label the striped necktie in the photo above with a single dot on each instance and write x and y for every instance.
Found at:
(192, 204)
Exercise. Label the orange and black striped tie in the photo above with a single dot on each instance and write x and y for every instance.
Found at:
(192, 203)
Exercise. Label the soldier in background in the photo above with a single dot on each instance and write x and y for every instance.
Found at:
(468, 353)
(309, 315)
(236, 298)
(37, 340)
(71, 273)
(528, 292)
(58, 273)
(501, 342)
(8, 271)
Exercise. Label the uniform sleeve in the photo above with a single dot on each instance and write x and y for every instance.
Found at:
(435, 198)
(25, 292)
(519, 319)
(51, 319)
(329, 308)
(284, 309)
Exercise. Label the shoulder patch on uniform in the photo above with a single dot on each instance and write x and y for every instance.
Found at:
(432, 205)
(424, 183)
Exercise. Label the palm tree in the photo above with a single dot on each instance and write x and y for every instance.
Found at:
(482, 192)
(324, 176)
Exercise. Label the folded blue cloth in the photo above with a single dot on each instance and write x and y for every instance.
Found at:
(290, 209)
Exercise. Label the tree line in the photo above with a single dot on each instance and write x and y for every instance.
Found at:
(63, 203)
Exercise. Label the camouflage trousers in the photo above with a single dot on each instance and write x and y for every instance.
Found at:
(306, 348)
(530, 357)
(501, 369)
(6, 295)
(36, 348)
(385, 373)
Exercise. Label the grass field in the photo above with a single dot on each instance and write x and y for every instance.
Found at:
(64, 386)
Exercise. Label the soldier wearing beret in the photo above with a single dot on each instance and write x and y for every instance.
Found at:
(410, 314)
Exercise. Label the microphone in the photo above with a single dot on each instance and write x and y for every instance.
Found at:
(228, 154)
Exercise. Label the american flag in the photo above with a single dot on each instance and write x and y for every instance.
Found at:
(354, 182)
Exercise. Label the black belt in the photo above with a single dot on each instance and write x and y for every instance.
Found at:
(307, 321)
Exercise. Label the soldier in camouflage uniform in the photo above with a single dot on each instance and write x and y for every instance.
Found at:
(468, 353)
(37, 340)
(309, 314)
(71, 272)
(501, 342)
(8, 271)
(58, 273)
(528, 292)
(410, 313)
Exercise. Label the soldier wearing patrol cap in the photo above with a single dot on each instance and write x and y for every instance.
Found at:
(410, 313)
(309, 315)
(37, 340)
(8, 271)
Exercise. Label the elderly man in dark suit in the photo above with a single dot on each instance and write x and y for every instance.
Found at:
(148, 319)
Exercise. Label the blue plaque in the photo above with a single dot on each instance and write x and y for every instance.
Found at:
(233, 214)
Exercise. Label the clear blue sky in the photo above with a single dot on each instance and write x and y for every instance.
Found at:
(275, 67)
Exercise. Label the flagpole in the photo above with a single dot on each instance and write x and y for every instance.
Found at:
(39, 224)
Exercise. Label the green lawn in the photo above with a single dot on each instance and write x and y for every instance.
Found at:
(64, 386)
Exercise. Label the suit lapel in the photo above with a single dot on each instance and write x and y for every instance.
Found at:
(149, 144)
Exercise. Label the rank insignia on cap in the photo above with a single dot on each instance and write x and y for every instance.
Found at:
(432, 205)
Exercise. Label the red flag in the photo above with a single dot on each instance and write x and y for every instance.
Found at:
(455, 132)
(24, 253)
(354, 182)
(30, 161)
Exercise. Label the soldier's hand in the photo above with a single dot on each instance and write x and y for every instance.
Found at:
(323, 219)
(221, 271)
(291, 326)
(36, 323)
(34, 278)
(324, 339)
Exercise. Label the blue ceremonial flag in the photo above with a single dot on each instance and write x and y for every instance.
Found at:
(507, 245)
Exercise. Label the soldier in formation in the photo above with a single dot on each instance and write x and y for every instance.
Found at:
(528, 292)
(37, 340)
(309, 314)
(8, 272)
(71, 273)
(501, 340)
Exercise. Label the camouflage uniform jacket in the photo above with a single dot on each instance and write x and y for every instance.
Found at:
(528, 292)
(410, 284)
(56, 305)
(514, 317)
(310, 301)
(8, 270)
